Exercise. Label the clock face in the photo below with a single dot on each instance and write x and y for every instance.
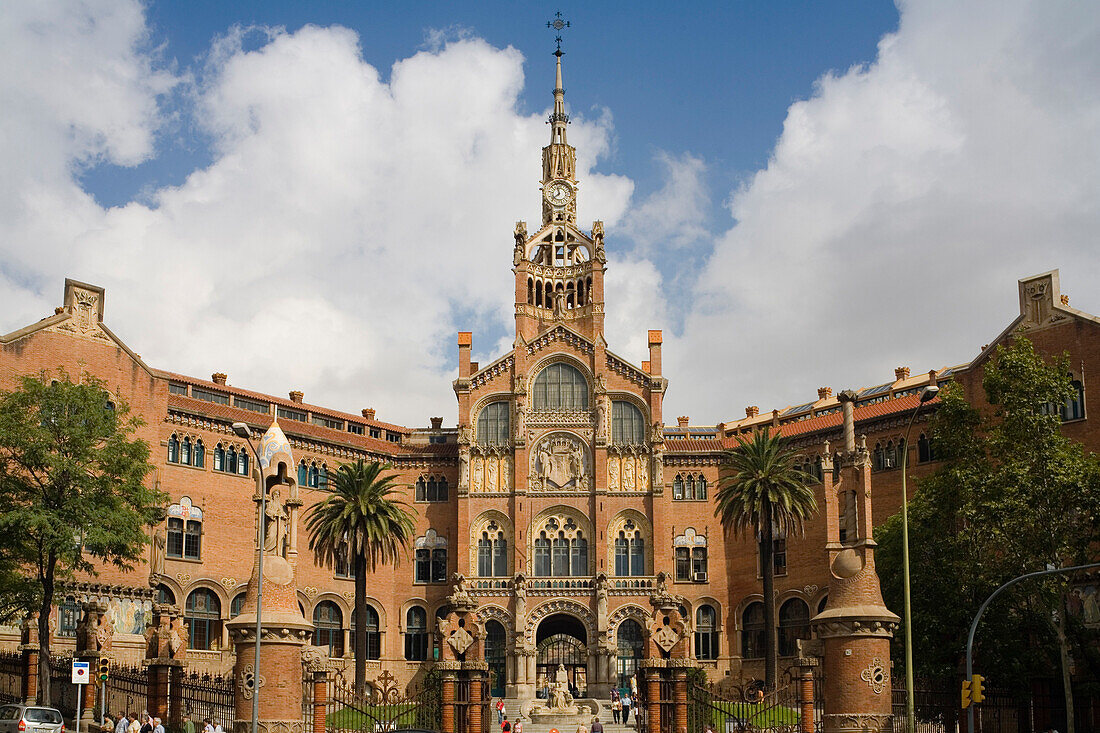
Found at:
(558, 193)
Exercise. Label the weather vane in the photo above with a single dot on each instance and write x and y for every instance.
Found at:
(557, 24)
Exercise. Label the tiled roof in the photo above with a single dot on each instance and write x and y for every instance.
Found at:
(192, 406)
(282, 402)
(692, 445)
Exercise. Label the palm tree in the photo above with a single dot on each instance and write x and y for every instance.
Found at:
(362, 522)
(764, 492)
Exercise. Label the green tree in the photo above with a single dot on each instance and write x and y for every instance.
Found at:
(72, 492)
(1012, 495)
(363, 522)
(764, 492)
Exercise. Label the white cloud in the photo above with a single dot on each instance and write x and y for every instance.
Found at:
(900, 205)
(673, 216)
(342, 225)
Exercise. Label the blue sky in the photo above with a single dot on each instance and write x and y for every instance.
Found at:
(799, 194)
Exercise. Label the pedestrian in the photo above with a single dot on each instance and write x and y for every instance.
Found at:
(506, 727)
(108, 725)
(218, 728)
(135, 724)
(616, 706)
(518, 727)
(581, 728)
(500, 711)
(626, 709)
(207, 726)
(146, 722)
(189, 726)
(597, 726)
(157, 727)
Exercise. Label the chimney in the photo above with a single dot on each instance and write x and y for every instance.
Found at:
(775, 418)
(465, 340)
(655, 339)
(437, 423)
(824, 393)
(901, 373)
(848, 401)
(296, 396)
(752, 411)
(682, 421)
(218, 377)
(932, 377)
(368, 412)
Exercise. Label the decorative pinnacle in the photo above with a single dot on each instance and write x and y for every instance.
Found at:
(558, 23)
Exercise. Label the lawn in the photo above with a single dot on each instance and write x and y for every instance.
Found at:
(374, 717)
(757, 715)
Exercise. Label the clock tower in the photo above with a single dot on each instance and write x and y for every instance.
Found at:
(560, 269)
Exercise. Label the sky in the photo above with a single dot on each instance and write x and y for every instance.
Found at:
(318, 196)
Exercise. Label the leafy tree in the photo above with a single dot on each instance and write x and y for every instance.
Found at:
(765, 492)
(362, 521)
(72, 492)
(1012, 496)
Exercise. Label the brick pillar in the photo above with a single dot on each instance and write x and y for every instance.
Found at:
(320, 700)
(653, 700)
(90, 690)
(159, 683)
(806, 697)
(30, 674)
(448, 702)
(680, 698)
(477, 698)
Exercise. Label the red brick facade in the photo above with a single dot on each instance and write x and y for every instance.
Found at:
(558, 437)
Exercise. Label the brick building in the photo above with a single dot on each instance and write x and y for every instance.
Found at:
(560, 496)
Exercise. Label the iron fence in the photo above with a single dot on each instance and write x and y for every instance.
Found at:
(11, 677)
(205, 696)
(738, 709)
(63, 693)
(127, 690)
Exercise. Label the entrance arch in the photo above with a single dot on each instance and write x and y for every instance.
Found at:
(562, 639)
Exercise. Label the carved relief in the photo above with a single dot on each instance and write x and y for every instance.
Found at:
(560, 463)
(476, 473)
(491, 472)
(875, 676)
(612, 473)
(628, 471)
(85, 307)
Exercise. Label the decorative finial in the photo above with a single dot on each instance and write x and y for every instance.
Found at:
(558, 23)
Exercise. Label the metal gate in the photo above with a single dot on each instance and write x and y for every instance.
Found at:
(385, 706)
(736, 708)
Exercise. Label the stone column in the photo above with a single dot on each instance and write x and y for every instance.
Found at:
(157, 675)
(165, 652)
(94, 635)
(30, 673)
(318, 666)
(478, 681)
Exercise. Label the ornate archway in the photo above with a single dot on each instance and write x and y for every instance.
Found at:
(561, 643)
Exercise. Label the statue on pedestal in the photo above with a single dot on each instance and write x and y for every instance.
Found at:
(560, 698)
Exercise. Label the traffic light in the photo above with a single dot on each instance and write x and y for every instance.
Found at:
(966, 694)
(977, 688)
(104, 668)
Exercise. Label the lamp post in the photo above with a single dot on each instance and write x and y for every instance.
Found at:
(242, 431)
(910, 707)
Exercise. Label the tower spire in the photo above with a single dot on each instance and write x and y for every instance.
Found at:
(559, 159)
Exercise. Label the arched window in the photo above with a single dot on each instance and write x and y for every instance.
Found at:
(203, 617)
(631, 646)
(185, 452)
(219, 457)
(579, 556)
(174, 449)
(164, 594)
(560, 387)
(328, 628)
(924, 449)
(374, 635)
(236, 605)
(492, 553)
(629, 551)
(678, 487)
(706, 632)
(878, 458)
(542, 555)
(231, 460)
(847, 517)
(701, 487)
(431, 488)
(627, 424)
(184, 525)
(198, 459)
(242, 463)
(416, 634)
(496, 647)
(794, 624)
(492, 424)
(303, 473)
(752, 631)
(1074, 407)
(68, 616)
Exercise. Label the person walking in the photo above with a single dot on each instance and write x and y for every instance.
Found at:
(616, 706)
(146, 723)
(122, 724)
(597, 726)
(157, 727)
(506, 727)
(626, 709)
(135, 724)
(500, 710)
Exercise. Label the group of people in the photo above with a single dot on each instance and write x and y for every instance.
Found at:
(620, 707)
(506, 725)
(146, 723)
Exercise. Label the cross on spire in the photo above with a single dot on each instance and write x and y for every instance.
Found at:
(558, 23)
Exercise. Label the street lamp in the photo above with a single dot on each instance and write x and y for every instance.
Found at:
(910, 708)
(242, 431)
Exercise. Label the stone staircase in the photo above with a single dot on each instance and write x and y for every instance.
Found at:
(512, 707)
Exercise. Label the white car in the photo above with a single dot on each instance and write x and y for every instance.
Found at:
(30, 719)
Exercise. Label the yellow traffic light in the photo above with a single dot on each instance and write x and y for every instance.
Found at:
(966, 694)
(977, 688)
(104, 668)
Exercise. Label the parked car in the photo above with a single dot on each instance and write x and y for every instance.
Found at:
(30, 719)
